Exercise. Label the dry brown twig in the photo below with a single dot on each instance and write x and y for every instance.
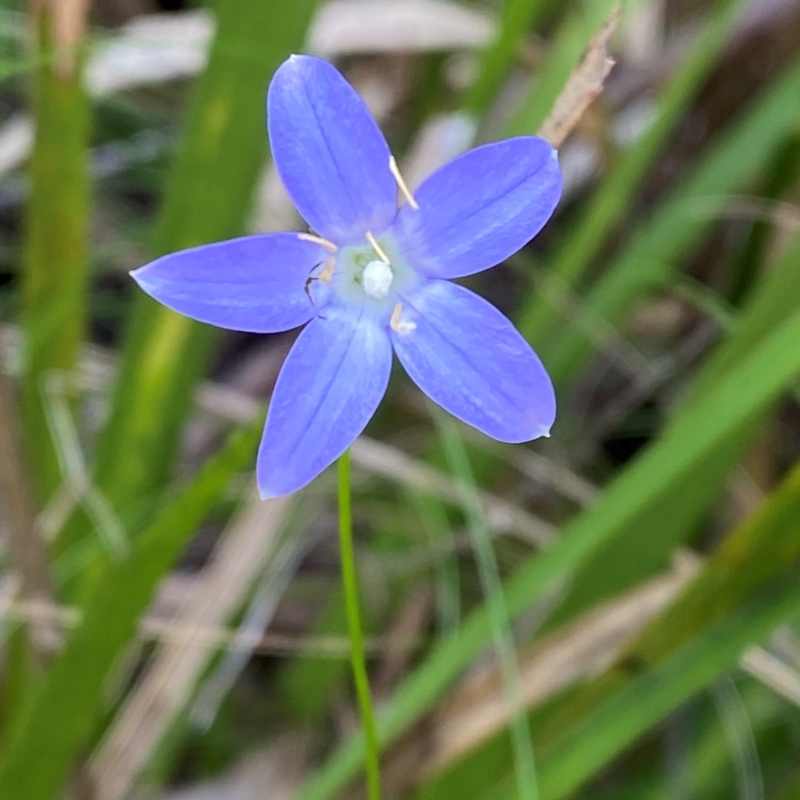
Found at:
(583, 86)
(67, 21)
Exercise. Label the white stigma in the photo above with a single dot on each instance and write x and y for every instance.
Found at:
(377, 279)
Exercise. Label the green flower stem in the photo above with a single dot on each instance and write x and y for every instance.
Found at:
(354, 626)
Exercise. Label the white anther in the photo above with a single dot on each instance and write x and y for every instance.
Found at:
(377, 279)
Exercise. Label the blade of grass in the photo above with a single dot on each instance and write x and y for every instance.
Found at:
(433, 518)
(681, 219)
(54, 277)
(60, 714)
(208, 199)
(775, 299)
(27, 551)
(742, 394)
(737, 581)
(502, 637)
(610, 202)
(517, 19)
(28, 647)
(647, 681)
(630, 556)
(738, 731)
(781, 178)
(712, 775)
(608, 730)
(463, 732)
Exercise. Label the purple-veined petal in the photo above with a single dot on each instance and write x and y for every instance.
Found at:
(329, 151)
(326, 393)
(255, 284)
(467, 357)
(480, 208)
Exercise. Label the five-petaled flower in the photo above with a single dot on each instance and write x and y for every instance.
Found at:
(372, 278)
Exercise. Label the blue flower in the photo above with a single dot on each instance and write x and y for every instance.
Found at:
(373, 278)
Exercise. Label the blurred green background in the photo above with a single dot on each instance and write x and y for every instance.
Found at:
(609, 613)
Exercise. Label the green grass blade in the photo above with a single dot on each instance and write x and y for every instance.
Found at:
(55, 258)
(616, 724)
(630, 557)
(781, 177)
(741, 395)
(595, 722)
(61, 712)
(681, 219)
(433, 519)
(696, 639)
(208, 198)
(518, 17)
(775, 299)
(502, 635)
(611, 201)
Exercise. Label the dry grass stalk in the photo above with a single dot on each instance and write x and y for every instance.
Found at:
(168, 683)
(67, 21)
(344, 27)
(477, 709)
(394, 465)
(583, 86)
(156, 628)
(772, 671)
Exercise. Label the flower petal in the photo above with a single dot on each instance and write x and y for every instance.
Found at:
(480, 208)
(254, 284)
(329, 151)
(327, 391)
(467, 357)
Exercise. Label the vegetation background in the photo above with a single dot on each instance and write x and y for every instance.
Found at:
(608, 613)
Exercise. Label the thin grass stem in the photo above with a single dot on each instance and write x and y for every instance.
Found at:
(354, 626)
(499, 617)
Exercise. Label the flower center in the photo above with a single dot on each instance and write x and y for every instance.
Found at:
(377, 279)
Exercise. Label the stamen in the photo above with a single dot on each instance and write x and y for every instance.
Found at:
(403, 186)
(397, 325)
(377, 248)
(309, 237)
(327, 273)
